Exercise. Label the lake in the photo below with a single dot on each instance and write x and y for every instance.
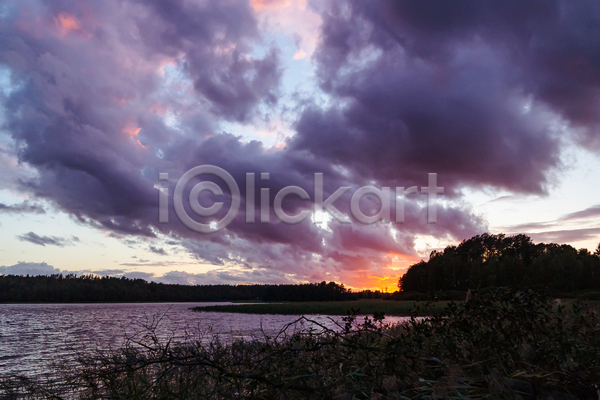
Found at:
(34, 335)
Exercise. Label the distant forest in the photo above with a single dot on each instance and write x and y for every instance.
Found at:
(483, 261)
(505, 261)
(90, 288)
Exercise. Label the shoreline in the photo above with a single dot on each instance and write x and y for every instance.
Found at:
(406, 308)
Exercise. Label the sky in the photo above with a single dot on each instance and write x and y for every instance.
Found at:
(499, 99)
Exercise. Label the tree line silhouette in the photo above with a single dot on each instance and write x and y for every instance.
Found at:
(92, 288)
(505, 261)
(480, 262)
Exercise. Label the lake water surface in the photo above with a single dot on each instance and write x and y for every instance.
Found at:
(34, 335)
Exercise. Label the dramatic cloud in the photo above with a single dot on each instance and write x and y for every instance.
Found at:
(105, 95)
(455, 88)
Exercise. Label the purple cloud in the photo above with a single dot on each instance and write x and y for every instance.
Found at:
(472, 92)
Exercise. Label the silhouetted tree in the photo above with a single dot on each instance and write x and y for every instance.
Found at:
(497, 261)
(92, 288)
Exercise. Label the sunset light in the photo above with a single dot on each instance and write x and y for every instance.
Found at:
(277, 92)
(317, 160)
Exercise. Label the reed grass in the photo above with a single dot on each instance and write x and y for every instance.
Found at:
(505, 344)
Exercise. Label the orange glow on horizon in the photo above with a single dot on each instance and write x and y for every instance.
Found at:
(383, 283)
(371, 280)
(382, 278)
(374, 283)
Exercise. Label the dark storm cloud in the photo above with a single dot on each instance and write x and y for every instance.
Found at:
(471, 93)
(77, 108)
(215, 39)
(46, 240)
(457, 88)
